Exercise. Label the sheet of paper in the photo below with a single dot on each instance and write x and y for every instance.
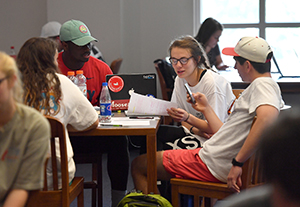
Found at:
(125, 121)
(144, 105)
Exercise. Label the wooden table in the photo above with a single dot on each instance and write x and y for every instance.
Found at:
(148, 131)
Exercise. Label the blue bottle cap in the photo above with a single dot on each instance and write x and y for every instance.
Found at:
(104, 84)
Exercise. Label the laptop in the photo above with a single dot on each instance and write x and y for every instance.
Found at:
(287, 67)
(120, 86)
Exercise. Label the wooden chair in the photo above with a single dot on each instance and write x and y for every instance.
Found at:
(237, 92)
(96, 183)
(58, 197)
(165, 91)
(115, 65)
(251, 177)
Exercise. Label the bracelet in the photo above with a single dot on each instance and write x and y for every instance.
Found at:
(191, 130)
(236, 163)
(187, 117)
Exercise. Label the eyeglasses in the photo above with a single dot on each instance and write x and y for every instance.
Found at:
(2, 79)
(183, 60)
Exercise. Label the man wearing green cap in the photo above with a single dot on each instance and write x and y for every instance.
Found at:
(76, 40)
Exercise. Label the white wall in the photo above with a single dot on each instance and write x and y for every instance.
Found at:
(139, 31)
(20, 20)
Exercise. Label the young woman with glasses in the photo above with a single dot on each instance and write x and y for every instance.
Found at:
(189, 63)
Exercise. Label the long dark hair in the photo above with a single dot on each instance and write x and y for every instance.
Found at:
(36, 63)
(207, 29)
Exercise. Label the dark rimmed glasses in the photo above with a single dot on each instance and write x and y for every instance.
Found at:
(183, 60)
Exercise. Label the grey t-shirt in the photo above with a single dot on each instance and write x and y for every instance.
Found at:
(24, 143)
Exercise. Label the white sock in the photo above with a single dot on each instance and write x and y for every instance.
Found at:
(116, 197)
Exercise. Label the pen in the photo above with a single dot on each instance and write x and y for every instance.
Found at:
(113, 125)
(141, 117)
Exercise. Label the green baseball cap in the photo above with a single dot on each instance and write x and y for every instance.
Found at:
(76, 32)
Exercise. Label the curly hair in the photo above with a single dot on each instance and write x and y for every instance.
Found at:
(37, 65)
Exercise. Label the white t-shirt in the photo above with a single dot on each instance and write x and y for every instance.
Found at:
(217, 90)
(218, 151)
(76, 110)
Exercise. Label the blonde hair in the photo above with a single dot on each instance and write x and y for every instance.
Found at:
(9, 67)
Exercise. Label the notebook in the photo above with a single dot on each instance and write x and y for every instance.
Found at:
(121, 85)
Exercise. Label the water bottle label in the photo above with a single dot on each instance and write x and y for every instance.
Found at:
(105, 109)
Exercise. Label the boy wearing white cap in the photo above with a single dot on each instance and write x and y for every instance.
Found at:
(222, 156)
(51, 30)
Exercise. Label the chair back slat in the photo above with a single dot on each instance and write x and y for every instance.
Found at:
(58, 132)
(54, 164)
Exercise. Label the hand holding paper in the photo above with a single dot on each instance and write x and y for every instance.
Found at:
(143, 105)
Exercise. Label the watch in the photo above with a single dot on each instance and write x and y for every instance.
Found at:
(236, 163)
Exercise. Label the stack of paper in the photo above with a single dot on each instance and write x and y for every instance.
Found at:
(144, 105)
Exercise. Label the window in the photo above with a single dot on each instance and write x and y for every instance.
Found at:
(274, 20)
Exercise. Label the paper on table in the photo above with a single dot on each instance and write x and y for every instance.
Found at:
(144, 105)
(125, 121)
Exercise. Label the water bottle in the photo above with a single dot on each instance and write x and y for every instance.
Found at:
(105, 104)
(12, 52)
(81, 82)
(72, 77)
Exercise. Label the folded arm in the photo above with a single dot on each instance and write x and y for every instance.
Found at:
(93, 126)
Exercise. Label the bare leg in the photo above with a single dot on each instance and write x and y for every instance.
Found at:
(139, 171)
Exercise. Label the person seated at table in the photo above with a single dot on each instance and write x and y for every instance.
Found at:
(51, 30)
(76, 39)
(188, 61)
(24, 139)
(279, 156)
(208, 36)
(222, 156)
(53, 94)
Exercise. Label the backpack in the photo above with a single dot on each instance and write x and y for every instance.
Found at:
(136, 199)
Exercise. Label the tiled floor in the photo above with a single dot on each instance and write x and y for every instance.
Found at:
(85, 171)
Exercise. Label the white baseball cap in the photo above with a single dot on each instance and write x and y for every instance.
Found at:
(254, 49)
(51, 29)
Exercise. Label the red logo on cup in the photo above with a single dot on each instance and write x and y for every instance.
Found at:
(115, 83)
(83, 29)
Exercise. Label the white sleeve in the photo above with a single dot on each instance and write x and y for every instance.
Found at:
(79, 112)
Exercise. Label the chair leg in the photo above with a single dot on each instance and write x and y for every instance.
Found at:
(197, 201)
(80, 200)
(207, 202)
(99, 181)
(175, 196)
(94, 188)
